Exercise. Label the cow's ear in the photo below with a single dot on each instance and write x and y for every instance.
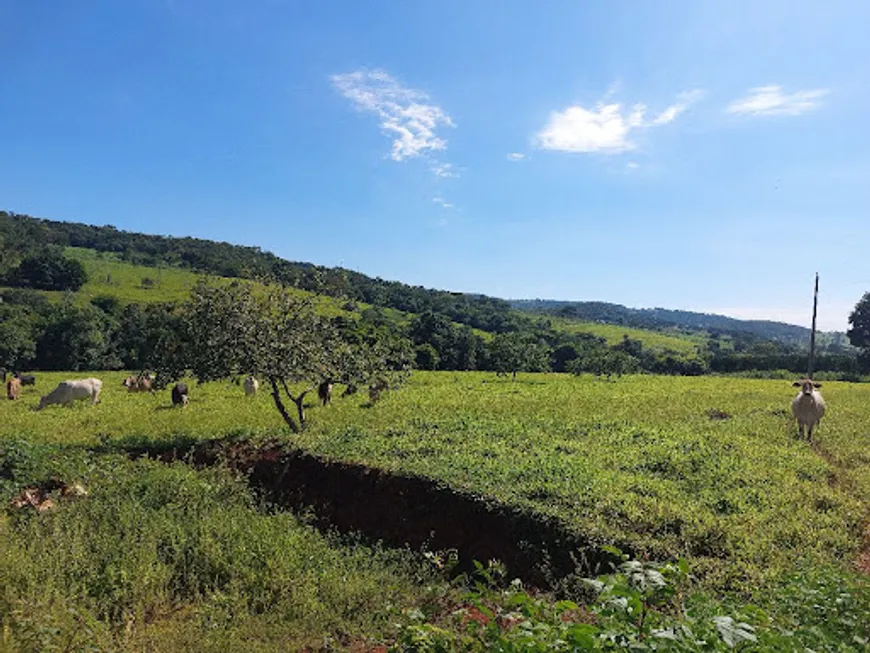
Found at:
(817, 385)
(797, 384)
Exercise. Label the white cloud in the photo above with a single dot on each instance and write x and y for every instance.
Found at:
(405, 114)
(605, 129)
(632, 165)
(771, 101)
(684, 101)
(516, 156)
(443, 170)
(440, 201)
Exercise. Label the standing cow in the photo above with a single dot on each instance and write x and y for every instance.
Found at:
(67, 392)
(808, 407)
(26, 379)
(13, 388)
(324, 391)
(179, 394)
(251, 386)
(141, 383)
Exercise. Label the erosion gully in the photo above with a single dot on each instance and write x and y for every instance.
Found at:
(402, 510)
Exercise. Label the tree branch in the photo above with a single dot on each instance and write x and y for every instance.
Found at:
(276, 397)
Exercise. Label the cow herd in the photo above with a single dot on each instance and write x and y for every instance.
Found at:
(807, 408)
(67, 392)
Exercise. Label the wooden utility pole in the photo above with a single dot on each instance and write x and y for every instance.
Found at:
(813, 332)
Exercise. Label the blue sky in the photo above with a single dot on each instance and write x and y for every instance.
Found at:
(696, 155)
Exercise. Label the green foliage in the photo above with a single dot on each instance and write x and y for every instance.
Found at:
(859, 330)
(157, 555)
(426, 357)
(510, 353)
(75, 338)
(48, 269)
(17, 342)
(642, 607)
(231, 329)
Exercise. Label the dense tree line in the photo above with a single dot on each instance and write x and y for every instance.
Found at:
(38, 334)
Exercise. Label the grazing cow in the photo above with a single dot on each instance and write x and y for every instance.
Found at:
(251, 386)
(808, 407)
(13, 388)
(179, 394)
(142, 383)
(26, 379)
(376, 388)
(68, 392)
(324, 391)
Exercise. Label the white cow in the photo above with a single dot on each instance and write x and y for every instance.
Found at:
(69, 391)
(808, 407)
(251, 385)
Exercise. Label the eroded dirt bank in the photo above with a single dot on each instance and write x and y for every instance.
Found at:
(404, 510)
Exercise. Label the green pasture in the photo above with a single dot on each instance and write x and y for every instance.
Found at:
(613, 334)
(703, 468)
(110, 276)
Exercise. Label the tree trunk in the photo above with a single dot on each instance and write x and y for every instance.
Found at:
(276, 397)
(300, 407)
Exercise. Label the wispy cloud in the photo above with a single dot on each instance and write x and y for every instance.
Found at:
(405, 114)
(440, 201)
(606, 128)
(632, 165)
(443, 170)
(516, 156)
(771, 101)
(684, 101)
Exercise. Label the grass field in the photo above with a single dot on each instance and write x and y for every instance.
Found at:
(613, 334)
(108, 275)
(704, 469)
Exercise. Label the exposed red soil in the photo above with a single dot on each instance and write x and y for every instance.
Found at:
(405, 510)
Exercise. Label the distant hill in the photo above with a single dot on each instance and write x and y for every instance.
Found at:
(166, 266)
(667, 319)
(20, 234)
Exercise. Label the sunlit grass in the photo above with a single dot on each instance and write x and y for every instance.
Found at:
(613, 334)
(636, 461)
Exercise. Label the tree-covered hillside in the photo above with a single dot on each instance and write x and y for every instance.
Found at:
(118, 293)
(21, 234)
(664, 319)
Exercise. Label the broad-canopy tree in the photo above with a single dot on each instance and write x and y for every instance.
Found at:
(75, 338)
(48, 269)
(269, 332)
(17, 343)
(859, 330)
(518, 352)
